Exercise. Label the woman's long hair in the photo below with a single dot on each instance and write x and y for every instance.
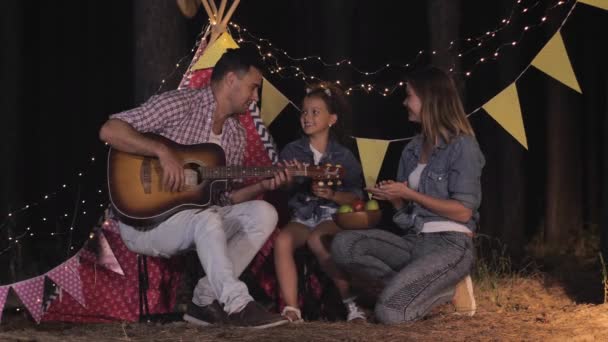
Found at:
(442, 115)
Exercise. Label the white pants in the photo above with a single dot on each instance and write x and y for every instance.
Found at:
(225, 238)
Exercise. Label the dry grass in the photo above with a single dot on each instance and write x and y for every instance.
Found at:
(516, 309)
(527, 305)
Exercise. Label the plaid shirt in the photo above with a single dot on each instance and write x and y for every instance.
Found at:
(186, 117)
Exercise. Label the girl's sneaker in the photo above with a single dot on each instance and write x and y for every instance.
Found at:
(292, 314)
(354, 312)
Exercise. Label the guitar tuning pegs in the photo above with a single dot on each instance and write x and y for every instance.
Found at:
(338, 165)
(330, 183)
(328, 165)
(321, 183)
(339, 182)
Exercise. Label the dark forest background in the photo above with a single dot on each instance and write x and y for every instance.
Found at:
(65, 66)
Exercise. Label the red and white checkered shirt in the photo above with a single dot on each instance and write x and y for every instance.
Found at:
(186, 117)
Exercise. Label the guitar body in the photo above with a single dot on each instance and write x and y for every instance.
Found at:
(135, 183)
(138, 197)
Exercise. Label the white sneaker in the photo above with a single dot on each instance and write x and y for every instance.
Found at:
(464, 299)
(354, 312)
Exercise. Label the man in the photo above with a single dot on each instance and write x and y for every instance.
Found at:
(227, 237)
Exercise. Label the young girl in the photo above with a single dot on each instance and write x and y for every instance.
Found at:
(437, 194)
(312, 205)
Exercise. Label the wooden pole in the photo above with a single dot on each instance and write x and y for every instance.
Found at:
(220, 12)
(209, 12)
(213, 7)
(226, 19)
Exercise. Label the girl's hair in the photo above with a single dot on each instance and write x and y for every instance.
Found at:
(336, 102)
(442, 114)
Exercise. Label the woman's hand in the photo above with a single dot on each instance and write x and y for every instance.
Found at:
(394, 192)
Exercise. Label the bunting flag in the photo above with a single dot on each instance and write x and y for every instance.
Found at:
(186, 79)
(553, 60)
(106, 257)
(3, 294)
(66, 276)
(505, 109)
(273, 102)
(603, 4)
(214, 51)
(371, 152)
(30, 293)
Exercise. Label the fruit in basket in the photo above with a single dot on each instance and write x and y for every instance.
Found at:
(372, 205)
(358, 205)
(345, 208)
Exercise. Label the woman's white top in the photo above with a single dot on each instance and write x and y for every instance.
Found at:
(413, 181)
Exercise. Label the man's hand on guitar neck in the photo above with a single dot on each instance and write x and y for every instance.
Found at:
(173, 171)
(281, 178)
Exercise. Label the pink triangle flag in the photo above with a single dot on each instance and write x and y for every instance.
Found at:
(30, 292)
(187, 77)
(3, 294)
(66, 276)
(106, 257)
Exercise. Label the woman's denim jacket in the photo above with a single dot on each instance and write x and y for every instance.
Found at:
(453, 171)
(302, 203)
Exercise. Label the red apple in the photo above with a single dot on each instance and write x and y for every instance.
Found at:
(358, 205)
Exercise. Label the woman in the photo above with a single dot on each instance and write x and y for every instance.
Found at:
(436, 195)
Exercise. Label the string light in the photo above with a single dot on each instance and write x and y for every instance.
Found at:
(297, 71)
(384, 90)
(44, 220)
(179, 63)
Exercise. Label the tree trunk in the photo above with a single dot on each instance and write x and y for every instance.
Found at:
(444, 27)
(510, 190)
(11, 105)
(604, 169)
(564, 210)
(161, 39)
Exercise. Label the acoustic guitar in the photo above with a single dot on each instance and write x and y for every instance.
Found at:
(139, 198)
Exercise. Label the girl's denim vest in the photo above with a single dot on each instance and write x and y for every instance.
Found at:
(302, 203)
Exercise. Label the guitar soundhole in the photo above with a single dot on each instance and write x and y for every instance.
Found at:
(193, 174)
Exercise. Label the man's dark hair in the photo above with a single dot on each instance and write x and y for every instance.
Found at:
(238, 61)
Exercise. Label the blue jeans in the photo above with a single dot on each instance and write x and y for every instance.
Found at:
(225, 238)
(418, 271)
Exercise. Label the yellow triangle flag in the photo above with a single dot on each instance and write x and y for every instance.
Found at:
(596, 3)
(214, 51)
(372, 153)
(273, 102)
(505, 109)
(553, 60)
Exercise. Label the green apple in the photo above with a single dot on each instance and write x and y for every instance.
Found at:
(372, 205)
(345, 208)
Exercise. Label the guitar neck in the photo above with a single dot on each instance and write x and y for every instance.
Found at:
(231, 172)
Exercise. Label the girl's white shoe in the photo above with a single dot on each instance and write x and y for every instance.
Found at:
(296, 312)
(354, 312)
